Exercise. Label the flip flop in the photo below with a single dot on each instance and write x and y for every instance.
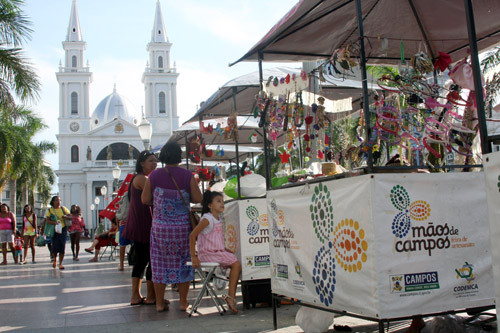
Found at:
(87, 250)
(140, 302)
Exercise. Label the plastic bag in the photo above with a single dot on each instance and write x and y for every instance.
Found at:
(58, 227)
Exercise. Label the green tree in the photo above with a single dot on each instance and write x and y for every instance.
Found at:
(16, 73)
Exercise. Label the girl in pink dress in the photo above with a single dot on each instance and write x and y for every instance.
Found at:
(209, 237)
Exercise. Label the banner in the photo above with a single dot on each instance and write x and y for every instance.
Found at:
(247, 233)
(110, 211)
(492, 179)
(383, 245)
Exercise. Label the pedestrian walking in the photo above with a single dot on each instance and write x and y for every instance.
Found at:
(75, 230)
(7, 229)
(56, 215)
(29, 232)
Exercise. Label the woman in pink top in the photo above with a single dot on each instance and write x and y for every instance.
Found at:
(75, 230)
(209, 237)
(7, 231)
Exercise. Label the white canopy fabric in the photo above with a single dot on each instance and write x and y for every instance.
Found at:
(245, 89)
(313, 29)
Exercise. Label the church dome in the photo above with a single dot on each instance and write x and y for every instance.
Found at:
(114, 106)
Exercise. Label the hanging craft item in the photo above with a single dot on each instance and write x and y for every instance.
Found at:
(421, 62)
(219, 130)
(219, 151)
(285, 157)
(193, 148)
(206, 130)
(320, 113)
(253, 137)
(231, 130)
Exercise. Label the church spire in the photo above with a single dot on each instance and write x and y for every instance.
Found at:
(74, 31)
(158, 35)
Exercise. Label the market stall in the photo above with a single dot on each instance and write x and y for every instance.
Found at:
(355, 224)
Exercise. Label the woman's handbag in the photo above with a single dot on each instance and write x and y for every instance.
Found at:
(194, 219)
(132, 255)
(40, 241)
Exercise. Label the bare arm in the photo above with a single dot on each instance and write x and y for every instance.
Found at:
(192, 241)
(147, 196)
(196, 195)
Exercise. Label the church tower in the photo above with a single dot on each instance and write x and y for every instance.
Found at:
(74, 80)
(160, 84)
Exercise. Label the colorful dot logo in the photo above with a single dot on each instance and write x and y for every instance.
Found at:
(350, 245)
(253, 228)
(253, 214)
(418, 210)
(323, 275)
(321, 210)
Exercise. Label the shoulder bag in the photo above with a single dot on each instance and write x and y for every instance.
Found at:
(49, 228)
(194, 219)
(124, 204)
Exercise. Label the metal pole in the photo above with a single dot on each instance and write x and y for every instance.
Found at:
(476, 70)
(236, 147)
(267, 165)
(366, 106)
(186, 149)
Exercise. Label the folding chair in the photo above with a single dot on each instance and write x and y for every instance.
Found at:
(206, 273)
(113, 247)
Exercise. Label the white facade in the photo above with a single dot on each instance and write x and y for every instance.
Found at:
(92, 144)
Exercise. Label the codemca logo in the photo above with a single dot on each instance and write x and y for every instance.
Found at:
(414, 282)
(465, 274)
(298, 282)
(280, 271)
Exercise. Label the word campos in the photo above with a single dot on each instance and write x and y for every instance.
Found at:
(427, 238)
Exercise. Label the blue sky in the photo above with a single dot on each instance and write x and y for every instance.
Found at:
(206, 37)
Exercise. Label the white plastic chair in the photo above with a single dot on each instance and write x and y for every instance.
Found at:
(206, 273)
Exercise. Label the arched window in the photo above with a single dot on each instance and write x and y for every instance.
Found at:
(160, 62)
(73, 61)
(161, 99)
(74, 103)
(74, 154)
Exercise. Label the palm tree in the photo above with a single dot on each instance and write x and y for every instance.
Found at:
(22, 158)
(16, 74)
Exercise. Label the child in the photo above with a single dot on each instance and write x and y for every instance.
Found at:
(75, 230)
(211, 248)
(18, 247)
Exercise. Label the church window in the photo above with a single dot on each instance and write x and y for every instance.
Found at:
(160, 62)
(74, 154)
(73, 61)
(74, 103)
(161, 98)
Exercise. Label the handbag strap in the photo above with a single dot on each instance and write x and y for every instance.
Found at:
(178, 189)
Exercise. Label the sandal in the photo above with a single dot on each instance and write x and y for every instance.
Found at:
(93, 260)
(231, 304)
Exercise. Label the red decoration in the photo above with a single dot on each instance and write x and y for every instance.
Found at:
(443, 61)
(309, 120)
(306, 137)
(110, 211)
(285, 157)
(320, 154)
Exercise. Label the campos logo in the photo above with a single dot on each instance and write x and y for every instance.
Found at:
(414, 282)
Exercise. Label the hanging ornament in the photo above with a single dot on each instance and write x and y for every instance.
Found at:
(285, 157)
(253, 137)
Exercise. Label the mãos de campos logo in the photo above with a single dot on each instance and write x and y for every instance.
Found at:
(282, 235)
(257, 228)
(423, 237)
(344, 243)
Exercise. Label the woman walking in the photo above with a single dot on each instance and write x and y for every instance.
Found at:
(75, 230)
(29, 232)
(171, 226)
(57, 214)
(7, 231)
(138, 229)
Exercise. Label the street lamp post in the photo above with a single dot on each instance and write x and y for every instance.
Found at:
(92, 208)
(145, 132)
(96, 202)
(104, 190)
(116, 175)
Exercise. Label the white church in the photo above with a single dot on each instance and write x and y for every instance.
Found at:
(92, 144)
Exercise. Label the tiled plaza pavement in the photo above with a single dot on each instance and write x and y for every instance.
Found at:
(94, 297)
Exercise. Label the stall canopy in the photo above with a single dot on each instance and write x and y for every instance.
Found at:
(246, 87)
(313, 29)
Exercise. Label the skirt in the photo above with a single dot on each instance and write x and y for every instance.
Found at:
(59, 241)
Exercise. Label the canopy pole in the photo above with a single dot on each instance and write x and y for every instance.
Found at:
(267, 165)
(366, 105)
(186, 149)
(301, 162)
(253, 162)
(236, 146)
(476, 70)
(202, 181)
